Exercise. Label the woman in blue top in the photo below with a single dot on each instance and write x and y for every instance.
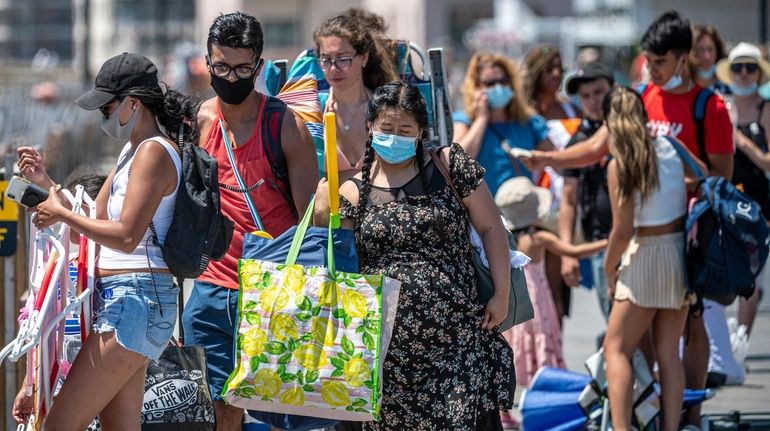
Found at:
(496, 112)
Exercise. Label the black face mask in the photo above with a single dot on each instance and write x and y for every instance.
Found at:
(232, 93)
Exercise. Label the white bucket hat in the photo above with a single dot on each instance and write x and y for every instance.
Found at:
(522, 203)
(742, 53)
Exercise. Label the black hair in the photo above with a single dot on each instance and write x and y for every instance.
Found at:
(175, 111)
(236, 30)
(669, 32)
(400, 96)
(91, 182)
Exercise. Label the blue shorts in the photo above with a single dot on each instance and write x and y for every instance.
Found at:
(127, 305)
(209, 320)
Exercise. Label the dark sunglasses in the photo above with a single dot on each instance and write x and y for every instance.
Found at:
(493, 82)
(750, 67)
(105, 109)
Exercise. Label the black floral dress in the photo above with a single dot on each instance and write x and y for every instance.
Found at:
(442, 371)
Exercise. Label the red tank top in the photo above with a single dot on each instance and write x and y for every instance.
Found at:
(268, 197)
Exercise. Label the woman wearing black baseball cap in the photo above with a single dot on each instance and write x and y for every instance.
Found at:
(135, 298)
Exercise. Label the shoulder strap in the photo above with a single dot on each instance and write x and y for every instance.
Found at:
(435, 155)
(761, 108)
(699, 117)
(239, 178)
(686, 158)
(641, 88)
(272, 122)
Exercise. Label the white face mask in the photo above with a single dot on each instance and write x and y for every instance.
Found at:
(111, 125)
(674, 81)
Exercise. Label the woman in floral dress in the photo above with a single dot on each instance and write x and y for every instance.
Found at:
(446, 367)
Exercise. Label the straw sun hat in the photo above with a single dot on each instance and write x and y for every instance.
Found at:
(522, 203)
(742, 53)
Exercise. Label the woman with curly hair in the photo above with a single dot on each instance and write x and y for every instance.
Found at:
(354, 62)
(497, 114)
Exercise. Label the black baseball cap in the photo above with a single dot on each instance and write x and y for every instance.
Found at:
(589, 72)
(118, 75)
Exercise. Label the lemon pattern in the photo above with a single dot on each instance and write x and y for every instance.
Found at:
(335, 394)
(283, 327)
(307, 338)
(354, 304)
(356, 372)
(267, 383)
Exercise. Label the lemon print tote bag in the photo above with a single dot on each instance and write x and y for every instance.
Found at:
(310, 339)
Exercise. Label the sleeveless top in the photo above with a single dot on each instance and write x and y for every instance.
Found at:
(748, 175)
(110, 258)
(669, 201)
(266, 192)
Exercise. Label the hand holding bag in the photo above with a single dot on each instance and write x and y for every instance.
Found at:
(519, 304)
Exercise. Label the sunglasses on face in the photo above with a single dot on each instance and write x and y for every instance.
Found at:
(750, 67)
(342, 62)
(107, 108)
(493, 82)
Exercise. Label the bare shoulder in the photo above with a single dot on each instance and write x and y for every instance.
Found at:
(207, 114)
(349, 190)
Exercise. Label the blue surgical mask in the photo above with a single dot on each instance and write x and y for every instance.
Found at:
(674, 82)
(708, 73)
(740, 90)
(499, 95)
(394, 149)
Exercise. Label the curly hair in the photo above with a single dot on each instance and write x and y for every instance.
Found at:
(352, 26)
(518, 109)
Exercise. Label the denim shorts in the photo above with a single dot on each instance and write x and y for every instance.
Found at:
(127, 305)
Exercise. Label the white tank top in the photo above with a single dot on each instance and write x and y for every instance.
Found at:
(110, 258)
(669, 202)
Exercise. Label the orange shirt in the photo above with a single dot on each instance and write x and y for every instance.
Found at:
(254, 167)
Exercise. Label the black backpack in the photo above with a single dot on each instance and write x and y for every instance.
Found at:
(199, 231)
(272, 120)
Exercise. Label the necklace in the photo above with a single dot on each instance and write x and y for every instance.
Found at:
(334, 106)
(351, 119)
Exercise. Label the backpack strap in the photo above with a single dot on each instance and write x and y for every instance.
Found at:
(699, 117)
(686, 158)
(272, 122)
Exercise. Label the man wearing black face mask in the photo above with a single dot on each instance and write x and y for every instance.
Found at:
(232, 128)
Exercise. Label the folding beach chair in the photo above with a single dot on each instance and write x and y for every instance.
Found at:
(305, 90)
(53, 297)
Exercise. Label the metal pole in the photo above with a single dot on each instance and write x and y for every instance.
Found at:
(86, 66)
(763, 18)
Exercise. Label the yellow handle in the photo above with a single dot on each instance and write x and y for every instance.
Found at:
(332, 175)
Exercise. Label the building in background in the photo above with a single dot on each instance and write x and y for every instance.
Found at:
(155, 28)
(36, 27)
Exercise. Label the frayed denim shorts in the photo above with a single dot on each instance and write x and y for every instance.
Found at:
(127, 305)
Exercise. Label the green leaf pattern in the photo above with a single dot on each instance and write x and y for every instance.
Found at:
(331, 357)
